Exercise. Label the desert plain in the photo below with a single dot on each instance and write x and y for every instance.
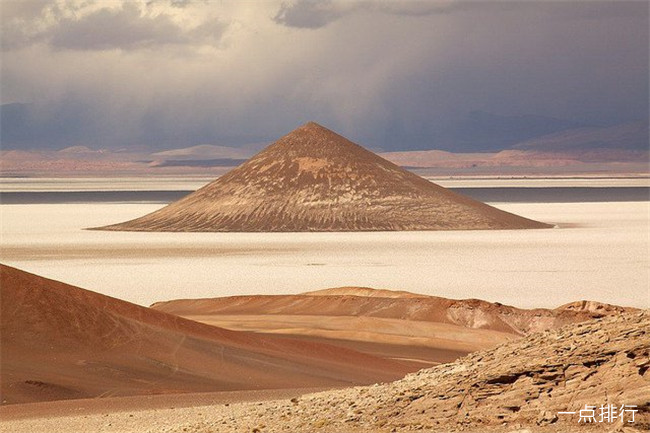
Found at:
(375, 298)
(597, 252)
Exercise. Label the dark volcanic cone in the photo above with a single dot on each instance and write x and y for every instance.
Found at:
(315, 180)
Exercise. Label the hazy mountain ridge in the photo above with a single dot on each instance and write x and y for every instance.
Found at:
(481, 131)
(627, 136)
(568, 148)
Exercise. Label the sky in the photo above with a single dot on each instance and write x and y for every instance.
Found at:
(391, 75)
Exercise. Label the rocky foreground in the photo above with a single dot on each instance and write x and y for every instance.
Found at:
(519, 385)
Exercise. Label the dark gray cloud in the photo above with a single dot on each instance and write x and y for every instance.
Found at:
(310, 14)
(180, 3)
(313, 14)
(391, 75)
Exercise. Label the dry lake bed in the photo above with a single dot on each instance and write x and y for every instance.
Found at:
(599, 251)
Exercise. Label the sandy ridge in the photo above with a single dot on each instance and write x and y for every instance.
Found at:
(60, 342)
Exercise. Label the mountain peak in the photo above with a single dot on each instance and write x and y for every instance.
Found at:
(316, 130)
(314, 179)
(313, 141)
(311, 128)
(313, 125)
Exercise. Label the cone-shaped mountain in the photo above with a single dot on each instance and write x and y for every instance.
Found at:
(316, 180)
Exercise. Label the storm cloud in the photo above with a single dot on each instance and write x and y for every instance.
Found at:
(392, 75)
(319, 13)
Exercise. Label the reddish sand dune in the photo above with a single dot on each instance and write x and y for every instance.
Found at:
(60, 342)
(313, 179)
(365, 291)
(399, 325)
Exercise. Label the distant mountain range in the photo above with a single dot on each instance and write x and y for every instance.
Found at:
(23, 128)
(481, 144)
(488, 132)
(204, 151)
(578, 147)
(627, 136)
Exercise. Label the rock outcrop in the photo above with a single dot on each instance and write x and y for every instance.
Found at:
(518, 386)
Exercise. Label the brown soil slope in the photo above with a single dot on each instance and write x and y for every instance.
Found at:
(398, 325)
(58, 341)
(518, 386)
(316, 180)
